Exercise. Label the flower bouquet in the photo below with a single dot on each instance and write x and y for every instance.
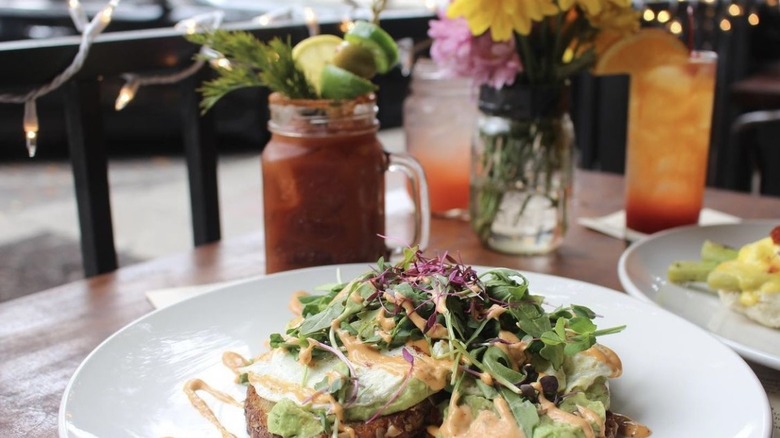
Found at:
(522, 54)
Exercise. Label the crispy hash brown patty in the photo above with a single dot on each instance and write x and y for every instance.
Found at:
(410, 423)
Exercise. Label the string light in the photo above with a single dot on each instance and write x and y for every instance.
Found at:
(675, 27)
(127, 93)
(753, 19)
(735, 10)
(346, 24)
(30, 125)
(78, 15)
(648, 15)
(725, 25)
(310, 17)
(274, 16)
(663, 16)
(89, 32)
(199, 23)
(216, 59)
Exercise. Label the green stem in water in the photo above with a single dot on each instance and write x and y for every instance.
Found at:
(527, 55)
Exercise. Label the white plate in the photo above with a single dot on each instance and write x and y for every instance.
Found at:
(642, 272)
(677, 379)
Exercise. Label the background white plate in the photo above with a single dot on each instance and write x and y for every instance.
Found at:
(677, 379)
(642, 271)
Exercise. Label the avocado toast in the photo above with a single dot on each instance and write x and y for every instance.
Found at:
(428, 346)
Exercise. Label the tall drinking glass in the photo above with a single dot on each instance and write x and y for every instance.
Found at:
(439, 118)
(670, 118)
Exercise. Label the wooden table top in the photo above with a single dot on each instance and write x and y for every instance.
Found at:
(46, 335)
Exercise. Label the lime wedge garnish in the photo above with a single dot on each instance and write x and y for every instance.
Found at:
(355, 58)
(379, 42)
(338, 83)
(311, 55)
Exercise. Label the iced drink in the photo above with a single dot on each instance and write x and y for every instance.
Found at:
(669, 124)
(439, 118)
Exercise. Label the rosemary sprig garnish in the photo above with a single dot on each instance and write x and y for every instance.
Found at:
(253, 63)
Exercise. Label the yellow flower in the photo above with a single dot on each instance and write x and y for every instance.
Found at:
(623, 20)
(613, 24)
(501, 17)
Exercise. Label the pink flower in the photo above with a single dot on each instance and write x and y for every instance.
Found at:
(457, 51)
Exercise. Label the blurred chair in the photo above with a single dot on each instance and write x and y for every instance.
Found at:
(758, 96)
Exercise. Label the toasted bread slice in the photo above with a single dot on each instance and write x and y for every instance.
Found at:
(410, 423)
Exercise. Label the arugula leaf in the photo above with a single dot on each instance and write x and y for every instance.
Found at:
(531, 319)
(320, 321)
(523, 410)
(505, 285)
(497, 363)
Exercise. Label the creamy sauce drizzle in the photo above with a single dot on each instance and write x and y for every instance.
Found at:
(434, 373)
(514, 349)
(593, 418)
(294, 304)
(234, 361)
(304, 355)
(437, 331)
(459, 422)
(495, 311)
(607, 356)
(192, 387)
(561, 416)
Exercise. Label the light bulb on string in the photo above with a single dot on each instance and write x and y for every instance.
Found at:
(216, 59)
(663, 16)
(648, 15)
(735, 10)
(30, 126)
(310, 17)
(89, 29)
(78, 15)
(127, 93)
(725, 25)
(675, 27)
(753, 19)
(275, 16)
(346, 24)
(207, 22)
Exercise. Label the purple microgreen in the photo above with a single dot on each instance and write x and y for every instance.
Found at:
(431, 321)
(336, 352)
(409, 358)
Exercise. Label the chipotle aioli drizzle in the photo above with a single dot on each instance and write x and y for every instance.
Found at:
(192, 387)
(434, 373)
(460, 423)
(608, 357)
(234, 361)
(295, 305)
(561, 416)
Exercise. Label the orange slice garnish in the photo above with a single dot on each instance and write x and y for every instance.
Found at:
(640, 52)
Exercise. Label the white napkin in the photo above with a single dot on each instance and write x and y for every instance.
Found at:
(614, 224)
(165, 297)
